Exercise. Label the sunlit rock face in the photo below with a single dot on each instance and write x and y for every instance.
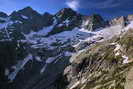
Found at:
(55, 51)
(95, 67)
(120, 20)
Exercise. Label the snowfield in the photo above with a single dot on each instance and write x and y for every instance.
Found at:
(74, 37)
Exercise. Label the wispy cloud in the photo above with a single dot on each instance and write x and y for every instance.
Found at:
(99, 5)
(74, 4)
(96, 4)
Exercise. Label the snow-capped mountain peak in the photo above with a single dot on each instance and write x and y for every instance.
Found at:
(38, 47)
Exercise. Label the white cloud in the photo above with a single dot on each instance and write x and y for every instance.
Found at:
(74, 4)
(103, 4)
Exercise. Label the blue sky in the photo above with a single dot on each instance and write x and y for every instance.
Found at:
(103, 7)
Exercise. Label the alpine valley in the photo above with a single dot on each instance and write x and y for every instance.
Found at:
(66, 50)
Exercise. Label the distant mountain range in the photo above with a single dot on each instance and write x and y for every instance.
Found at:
(66, 50)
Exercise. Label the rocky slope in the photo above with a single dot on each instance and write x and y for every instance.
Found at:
(105, 65)
(64, 51)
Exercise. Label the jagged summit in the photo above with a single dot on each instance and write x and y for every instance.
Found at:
(28, 11)
(28, 8)
(66, 13)
(27, 20)
(93, 22)
(66, 50)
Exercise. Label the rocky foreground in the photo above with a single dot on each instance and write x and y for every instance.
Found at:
(105, 65)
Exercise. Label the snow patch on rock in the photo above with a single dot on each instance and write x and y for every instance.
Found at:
(18, 67)
(24, 17)
(125, 59)
(7, 72)
(43, 69)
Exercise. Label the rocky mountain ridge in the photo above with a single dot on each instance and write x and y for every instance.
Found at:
(37, 51)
